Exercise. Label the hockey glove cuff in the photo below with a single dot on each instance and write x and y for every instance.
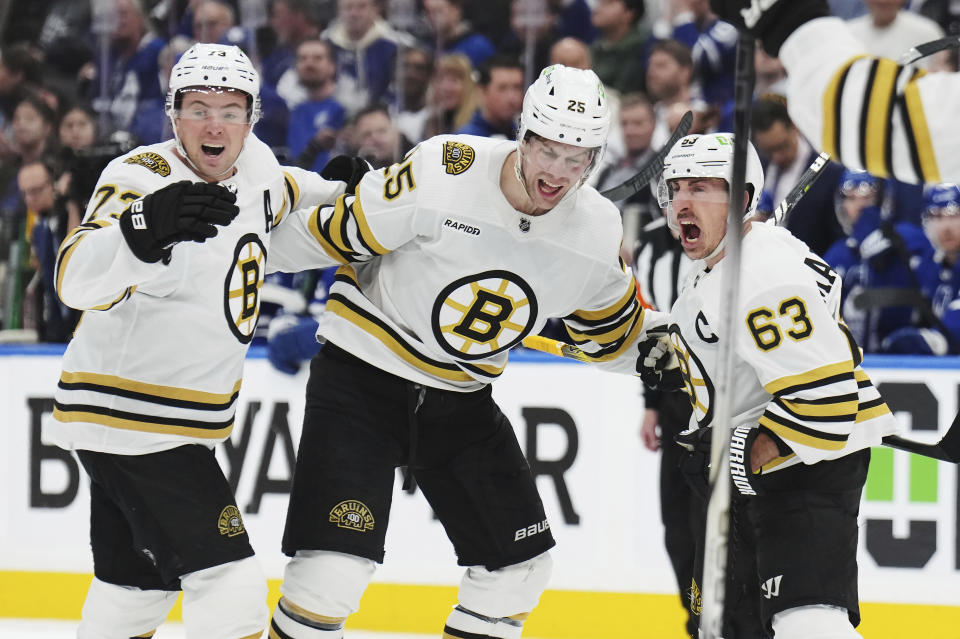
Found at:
(770, 21)
(347, 169)
(181, 212)
(657, 362)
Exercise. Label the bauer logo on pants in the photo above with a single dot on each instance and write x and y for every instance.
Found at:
(230, 522)
(352, 515)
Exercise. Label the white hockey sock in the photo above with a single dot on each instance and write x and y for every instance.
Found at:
(291, 622)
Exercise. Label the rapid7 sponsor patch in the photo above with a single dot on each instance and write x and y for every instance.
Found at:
(460, 226)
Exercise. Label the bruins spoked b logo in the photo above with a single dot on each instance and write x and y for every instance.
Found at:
(241, 302)
(697, 384)
(480, 315)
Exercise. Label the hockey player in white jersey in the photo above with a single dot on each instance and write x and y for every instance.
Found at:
(876, 114)
(449, 258)
(804, 411)
(167, 265)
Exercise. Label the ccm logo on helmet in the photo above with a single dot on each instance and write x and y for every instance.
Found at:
(531, 530)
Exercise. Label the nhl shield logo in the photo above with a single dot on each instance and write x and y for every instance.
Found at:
(524, 225)
(457, 157)
(230, 523)
(352, 514)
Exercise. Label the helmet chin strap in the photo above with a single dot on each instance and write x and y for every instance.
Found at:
(722, 244)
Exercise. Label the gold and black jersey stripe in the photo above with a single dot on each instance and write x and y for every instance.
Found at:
(145, 392)
(69, 245)
(143, 422)
(343, 232)
(129, 404)
(887, 99)
(816, 408)
(603, 334)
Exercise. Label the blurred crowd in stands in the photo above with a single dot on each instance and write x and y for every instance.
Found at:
(82, 81)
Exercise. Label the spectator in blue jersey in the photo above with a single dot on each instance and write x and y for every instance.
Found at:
(292, 21)
(786, 154)
(215, 22)
(621, 49)
(315, 122)
(875, 262)
(365, 50)
(133, 74)
(940, 279)
(714, 49)
(454, 34)
(501, 98)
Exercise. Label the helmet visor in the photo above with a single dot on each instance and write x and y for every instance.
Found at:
(680, 192)
(205, 104)
(559, 159)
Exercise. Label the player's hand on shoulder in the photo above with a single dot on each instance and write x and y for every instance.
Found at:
(347, 169)
(180, 212)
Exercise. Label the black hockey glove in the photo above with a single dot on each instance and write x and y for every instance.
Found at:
(181, 212)
(346, 168)
(770, 21)
(695, 463)
(657, 363)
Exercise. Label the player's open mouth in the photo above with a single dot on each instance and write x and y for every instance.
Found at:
(689, 232)
(548, 189)
(212, 149)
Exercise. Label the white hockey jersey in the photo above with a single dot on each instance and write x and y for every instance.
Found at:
(441, 276)
(868, 112)
(157, 357)
(797, 369)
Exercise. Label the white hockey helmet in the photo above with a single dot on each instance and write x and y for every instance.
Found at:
(708, 156)
(570, 106)
(214, 66)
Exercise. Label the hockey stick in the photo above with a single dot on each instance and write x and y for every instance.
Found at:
(921, 51)
(947, 449)
(803, 185)
(713, 588)
(653, 167)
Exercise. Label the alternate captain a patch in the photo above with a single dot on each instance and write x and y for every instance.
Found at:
(152, 161)
(458, 157)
